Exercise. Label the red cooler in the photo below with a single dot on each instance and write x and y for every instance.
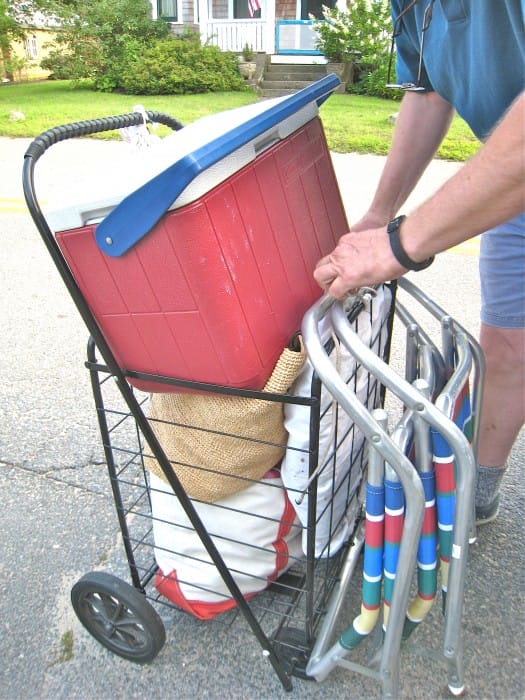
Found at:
(203, 270)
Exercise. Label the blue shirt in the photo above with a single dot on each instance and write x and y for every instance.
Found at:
(473, 56)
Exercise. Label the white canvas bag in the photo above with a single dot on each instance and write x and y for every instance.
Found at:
(255, 530)
(336, 510)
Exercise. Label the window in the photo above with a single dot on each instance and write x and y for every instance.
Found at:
(244, 9)
(31, 48)
(169, 10)
(315, 8)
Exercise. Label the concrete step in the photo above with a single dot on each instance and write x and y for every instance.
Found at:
(275, 92)
(290, 85)
(285, 78)
(293, 75)
(289, 68)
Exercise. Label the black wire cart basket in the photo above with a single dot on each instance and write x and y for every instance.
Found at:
(368, 468)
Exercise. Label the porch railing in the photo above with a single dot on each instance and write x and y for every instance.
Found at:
(233, 34)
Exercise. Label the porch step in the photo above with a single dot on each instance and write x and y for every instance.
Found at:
(277, 92)
(283, 79)
(291, 85)
(287, 71)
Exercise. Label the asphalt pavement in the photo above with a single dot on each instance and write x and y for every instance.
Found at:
(57, 512)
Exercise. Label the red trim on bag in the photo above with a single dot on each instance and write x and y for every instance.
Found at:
(168, 586)
(280, 544)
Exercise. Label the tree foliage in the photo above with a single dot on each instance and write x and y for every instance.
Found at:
(17, 17)
(94, 38)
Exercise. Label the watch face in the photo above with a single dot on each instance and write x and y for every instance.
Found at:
(395, 223)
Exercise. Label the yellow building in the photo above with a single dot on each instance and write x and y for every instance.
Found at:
(24, 63)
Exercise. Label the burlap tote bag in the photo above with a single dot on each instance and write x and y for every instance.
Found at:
(212, 439)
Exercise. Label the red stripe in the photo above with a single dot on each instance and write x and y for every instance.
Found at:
(429, 521)
(280, 545)
(459, 401)
(394, 527)
(445, 481)
(374, 533)
(169, 587)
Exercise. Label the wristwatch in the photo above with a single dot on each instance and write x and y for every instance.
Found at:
(399, 252)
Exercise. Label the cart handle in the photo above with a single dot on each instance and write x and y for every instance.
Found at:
(95, 126)
(34, 151)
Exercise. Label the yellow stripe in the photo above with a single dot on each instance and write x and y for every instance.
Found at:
(12, 205)
(15, 204)
(470, 247)
(419, 609)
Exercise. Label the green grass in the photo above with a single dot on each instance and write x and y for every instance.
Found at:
(66, 652)
(51, 103)
(364, 125)
(352, 123)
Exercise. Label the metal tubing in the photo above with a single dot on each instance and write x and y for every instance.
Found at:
(465, 462)
(477, 355)
(465, 482)
(427, 550)
(422, 438)
(412, 343)
(407, 475)
(94, 374)
(320, 664)
(427, 372)
(407, 319)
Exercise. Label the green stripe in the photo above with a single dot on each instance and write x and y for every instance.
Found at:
(371, 593)
(351, 639)
(427, 582)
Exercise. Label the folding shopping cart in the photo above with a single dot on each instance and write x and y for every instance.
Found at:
(357, 433)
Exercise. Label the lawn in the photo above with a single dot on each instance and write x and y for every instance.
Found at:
(352, 123)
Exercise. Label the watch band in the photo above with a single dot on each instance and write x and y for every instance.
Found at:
(399, 252)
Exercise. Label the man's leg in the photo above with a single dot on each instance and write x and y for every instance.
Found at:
(504, 395)
(502, 339)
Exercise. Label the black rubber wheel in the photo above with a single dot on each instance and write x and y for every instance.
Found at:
(118, 616)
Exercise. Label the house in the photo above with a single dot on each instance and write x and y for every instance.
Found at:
(22, 61)
(280, 29)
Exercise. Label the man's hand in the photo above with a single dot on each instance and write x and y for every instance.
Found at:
(360, 259)
(370, 220)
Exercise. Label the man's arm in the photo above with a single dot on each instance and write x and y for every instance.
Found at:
(488, 190)
(422, 123)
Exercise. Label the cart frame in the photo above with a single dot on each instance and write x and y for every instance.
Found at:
(462, 357)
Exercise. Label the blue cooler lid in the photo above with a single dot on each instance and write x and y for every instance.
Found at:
(138, 213)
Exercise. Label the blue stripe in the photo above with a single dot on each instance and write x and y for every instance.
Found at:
(375, 499)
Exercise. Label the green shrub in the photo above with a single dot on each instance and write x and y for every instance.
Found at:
(67, 65)
(359, 34)
(179, 65)
(372, 80)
